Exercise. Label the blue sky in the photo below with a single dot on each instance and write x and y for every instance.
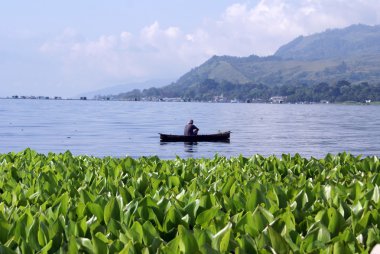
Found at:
(64, 48)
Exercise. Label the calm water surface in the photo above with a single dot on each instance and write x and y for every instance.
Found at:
(112, 128)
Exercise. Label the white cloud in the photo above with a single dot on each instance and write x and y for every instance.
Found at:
(172, 32)
(262, 28)
(60, 42)
(242, 29)
(154, 52)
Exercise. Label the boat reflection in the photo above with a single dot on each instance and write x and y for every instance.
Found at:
(190, 147)
(194, 143)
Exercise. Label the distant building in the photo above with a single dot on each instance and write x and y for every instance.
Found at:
(258, 100)
(219, 98)
(277, 99)
(83, 98)
(176, 99)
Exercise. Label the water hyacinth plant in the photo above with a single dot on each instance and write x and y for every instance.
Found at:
(60, 203)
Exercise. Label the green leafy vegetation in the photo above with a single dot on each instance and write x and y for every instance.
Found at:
(59, 203)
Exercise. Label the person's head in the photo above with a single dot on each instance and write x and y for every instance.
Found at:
(191, 122)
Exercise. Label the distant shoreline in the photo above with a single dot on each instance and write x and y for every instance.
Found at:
(168, 100)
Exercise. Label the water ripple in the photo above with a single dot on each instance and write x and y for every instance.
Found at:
(131, 128)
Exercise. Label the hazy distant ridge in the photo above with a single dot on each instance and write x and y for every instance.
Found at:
(355, 40)
(352, 54)
(109, 91)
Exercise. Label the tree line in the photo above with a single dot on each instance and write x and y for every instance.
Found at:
(341, 91)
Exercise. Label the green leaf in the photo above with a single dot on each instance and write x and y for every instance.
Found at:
(336, 221)
(33, 235)
(81, 227)
(172, 219)
(112, 210)
(247, 244)
(225, 241)
(62, 203)
(128, 249)
(191, 209)
(227, 186)
(149, 233)
(172, 247)
(289, 220)
(136, 232)
(125, 195)
(72, 245)
(202, 237)
(86, 196)
(20, 228)
(4, 230)
(341, 247)
(114, 227)
(277, 241)
(323, 234)
(142, 184)
(207, 201)
(85, 245)
(100, 242)
(187, 242)
(316, 238)
(255, 198)
(373, 237)
(206, 217)
(174, 181)
(6, 250)
(96, 210)
(260, 213)
(43, 234)
(47, 247)
(220, 241)
(376, 194)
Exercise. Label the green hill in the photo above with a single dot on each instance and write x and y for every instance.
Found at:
(353, 41)
(351, 54)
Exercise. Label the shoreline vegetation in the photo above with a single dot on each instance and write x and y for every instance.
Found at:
(271, 101)
(181, 100)
(341, 92)
(223, 91)
(53, 203)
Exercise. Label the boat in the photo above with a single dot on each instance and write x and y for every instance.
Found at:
(218, 137)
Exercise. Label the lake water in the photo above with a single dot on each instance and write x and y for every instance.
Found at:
(118, 128)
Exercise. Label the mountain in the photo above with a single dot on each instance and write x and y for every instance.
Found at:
(126, 87)
(353, 41)
(352, 54)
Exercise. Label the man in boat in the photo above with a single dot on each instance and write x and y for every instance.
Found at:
(191, 129)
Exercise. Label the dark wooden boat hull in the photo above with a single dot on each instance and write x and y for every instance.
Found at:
(218, 137)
